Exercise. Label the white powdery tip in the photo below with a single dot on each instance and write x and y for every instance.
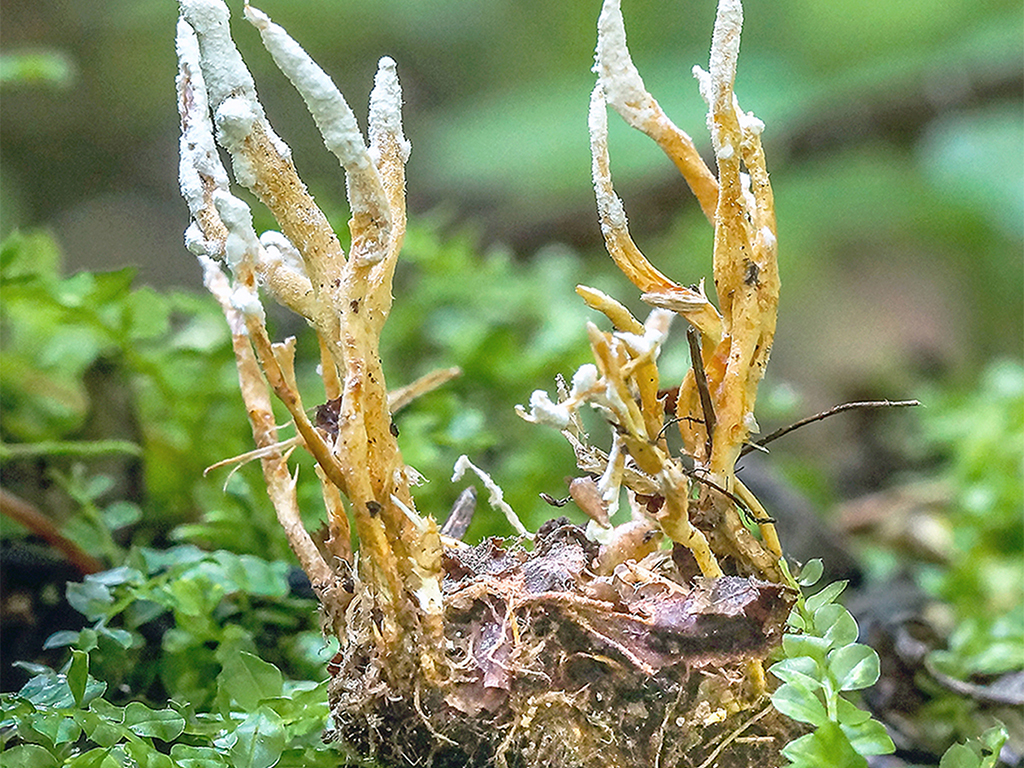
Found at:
(186, 44)
(223, 68)
(385, 116)
(655, 331)
(584, 379)
(703, 79)
(330, 111)
(622, 84)
(256, 17)
(658, 322)
(725, 47)
(544, 411)
(750, 124)
(205, 14)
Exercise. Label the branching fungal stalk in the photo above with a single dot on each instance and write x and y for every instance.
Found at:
(346, 300)
(625, 643)
(714, 410)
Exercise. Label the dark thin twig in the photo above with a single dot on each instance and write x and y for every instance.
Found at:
(675, 420)
(693, 338)
(824, 415)
(729, 495)
(553, 501)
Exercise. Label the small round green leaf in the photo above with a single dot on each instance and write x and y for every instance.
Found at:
(29, 756)
(825, 596)
(799, 704)
(805, 645)
(853, 667)
(260, 740)
(811, 572)
(960, 756)
(197, 757)
(869, 738)
(827, 746)
(835, 624)
(848, 713)
(802, 671)
(163, 724)
(248, 679)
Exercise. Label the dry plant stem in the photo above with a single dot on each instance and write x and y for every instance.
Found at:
(836, 409)
(401, 397)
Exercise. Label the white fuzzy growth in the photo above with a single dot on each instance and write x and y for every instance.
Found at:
(609, 206)
(496, 498)
(584, 380)
(280, 248)
(227, 78)
(768, 239)
(725, 50)
(623, 87)
(198, 152)
(331, 113)
(655, 332)
(213, 278)
(386, 110)
(248, 303)
(750, 124)
(223, 68)
(195, 243)
(544, 411)
(199, 164)
(242, 244)
(611, 401)
(751, 423)
(724, 152)
(703, 83)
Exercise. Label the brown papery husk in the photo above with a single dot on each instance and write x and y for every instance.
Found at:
(552, 666)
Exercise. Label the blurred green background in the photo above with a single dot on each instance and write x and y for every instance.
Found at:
(895, 140)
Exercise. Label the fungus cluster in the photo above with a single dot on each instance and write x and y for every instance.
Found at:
(637, 640)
